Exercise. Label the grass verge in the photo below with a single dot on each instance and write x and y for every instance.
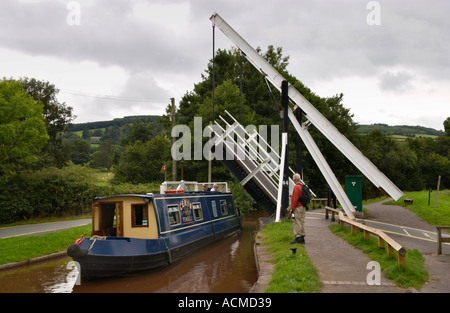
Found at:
(438, 216)
(292, 272)
(415, 274)
(16, 249)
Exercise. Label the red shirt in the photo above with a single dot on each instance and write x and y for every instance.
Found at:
(296, 195)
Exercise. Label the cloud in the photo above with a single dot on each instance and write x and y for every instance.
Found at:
(111, 32)
(137, 94)
(395, 81)
(157, 48)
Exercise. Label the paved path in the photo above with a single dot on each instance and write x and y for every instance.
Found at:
(417, 234)
(343, 268)
(36, 229)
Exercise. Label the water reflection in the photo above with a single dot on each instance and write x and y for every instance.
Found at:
(45, 277)
(225, 266)
(71, 279)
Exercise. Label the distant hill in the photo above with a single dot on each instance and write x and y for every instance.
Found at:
(397, 131)
(115, 122)
(401, 130)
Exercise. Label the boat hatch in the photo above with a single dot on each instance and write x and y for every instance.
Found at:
(124, 216)
(107, 219)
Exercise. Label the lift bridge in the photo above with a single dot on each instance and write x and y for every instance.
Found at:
(261, 173)
(251, 160)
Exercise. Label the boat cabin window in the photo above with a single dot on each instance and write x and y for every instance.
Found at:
(174, 214)
(197, 210)
(214, 209)
(139, 215)
(223, 207)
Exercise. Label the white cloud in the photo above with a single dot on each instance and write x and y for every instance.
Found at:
(396, 81)
(173, 17)
(155, 48)
(425, 103)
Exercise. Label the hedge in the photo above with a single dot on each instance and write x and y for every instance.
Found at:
(48, 192)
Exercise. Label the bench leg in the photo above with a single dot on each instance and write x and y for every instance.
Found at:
(439, 241)
(380, 243)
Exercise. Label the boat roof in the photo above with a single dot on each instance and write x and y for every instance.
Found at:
(152, 195)
(148, 195)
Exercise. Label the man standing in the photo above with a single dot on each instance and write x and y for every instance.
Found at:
(298, 211)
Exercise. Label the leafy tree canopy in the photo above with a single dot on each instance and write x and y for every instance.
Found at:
(57, 117)
(22, 126)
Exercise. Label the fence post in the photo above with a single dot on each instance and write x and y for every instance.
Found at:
(380, 242)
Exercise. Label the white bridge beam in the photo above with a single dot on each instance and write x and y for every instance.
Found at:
(313, 115)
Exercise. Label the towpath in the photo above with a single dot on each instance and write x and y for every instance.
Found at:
(344, 269)
(37, 229)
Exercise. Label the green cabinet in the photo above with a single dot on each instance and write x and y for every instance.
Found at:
(353, 189)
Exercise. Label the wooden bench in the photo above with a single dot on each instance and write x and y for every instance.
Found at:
(408, 201)
(333, 213)
(441, 239)
(391, 244)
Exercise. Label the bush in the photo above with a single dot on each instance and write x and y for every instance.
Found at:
(47, 192)
(141, 162)
(241, 198)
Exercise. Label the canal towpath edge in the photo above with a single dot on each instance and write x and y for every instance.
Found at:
(262, 258)
(342, 268)
(37, 229)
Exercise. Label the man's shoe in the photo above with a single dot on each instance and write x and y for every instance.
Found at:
(298, 240)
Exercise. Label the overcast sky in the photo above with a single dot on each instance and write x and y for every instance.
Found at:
(390, 59)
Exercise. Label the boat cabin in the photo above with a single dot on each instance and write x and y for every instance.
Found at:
(124, 216)
(179, 203)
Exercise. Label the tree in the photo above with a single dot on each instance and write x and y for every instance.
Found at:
(86, 134)
(227, 68)
(261, 109)
(447, 126)
(105, 155)
(112, 133)
(79, 153)
(139, 130)
(443, 142)
(227, 97)
(433, 166)
(22, 127)
(57, 117)
(141, 162)
(400, 162)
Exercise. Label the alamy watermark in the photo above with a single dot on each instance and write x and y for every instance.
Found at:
(374, 276)
(73, 18)
(374, 16)
(229, 144)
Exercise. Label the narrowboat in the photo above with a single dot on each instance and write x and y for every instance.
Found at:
(138, 232)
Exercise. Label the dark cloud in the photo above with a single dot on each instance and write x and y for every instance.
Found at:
(334, 34)
(396, 81)
(155, 40)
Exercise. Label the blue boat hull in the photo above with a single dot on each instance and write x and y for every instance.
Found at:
(117, 256)
(132, 233)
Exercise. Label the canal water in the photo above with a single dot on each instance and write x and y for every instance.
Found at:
(222, 267)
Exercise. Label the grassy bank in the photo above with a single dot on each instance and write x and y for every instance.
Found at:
(293, 272)
(16, 249)
(434, 216)
(415, 274)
